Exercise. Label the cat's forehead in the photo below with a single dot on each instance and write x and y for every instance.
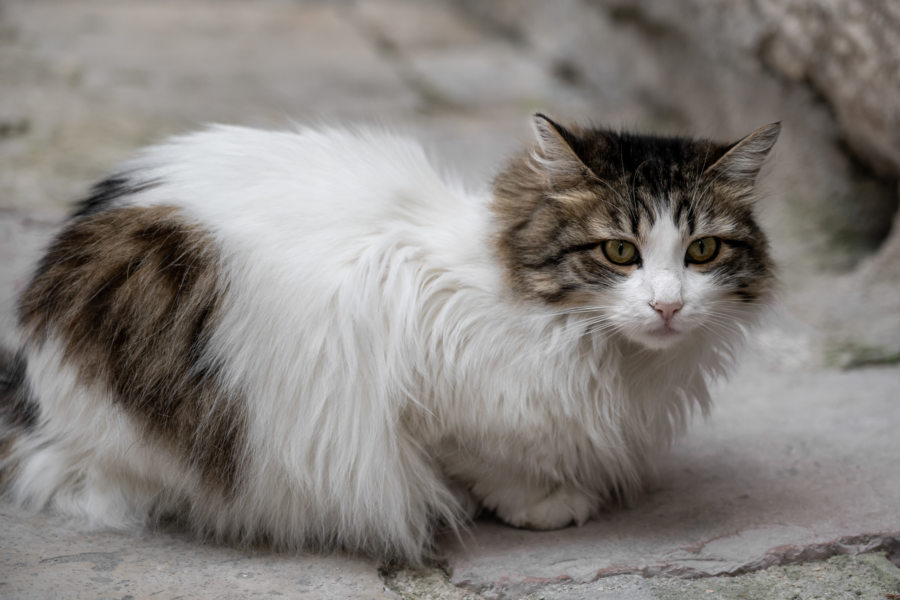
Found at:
(647, 161)
(644, 214)
(640, 179)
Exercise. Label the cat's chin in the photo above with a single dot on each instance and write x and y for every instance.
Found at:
(660, 338)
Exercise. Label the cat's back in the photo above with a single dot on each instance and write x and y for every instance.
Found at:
(242, 181)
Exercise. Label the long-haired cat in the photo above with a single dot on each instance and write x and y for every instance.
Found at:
(312, 339)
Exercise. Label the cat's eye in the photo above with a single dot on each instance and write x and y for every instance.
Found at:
(620, 252)
(702, 250)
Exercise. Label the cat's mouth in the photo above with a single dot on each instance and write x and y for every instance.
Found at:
(660, 337)
(664, 331)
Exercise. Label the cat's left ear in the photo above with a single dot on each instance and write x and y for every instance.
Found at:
(556, 154)
(741, 163)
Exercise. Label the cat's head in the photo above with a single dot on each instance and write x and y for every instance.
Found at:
(652, 237)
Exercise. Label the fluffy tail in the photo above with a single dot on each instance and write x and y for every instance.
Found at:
(18, 410)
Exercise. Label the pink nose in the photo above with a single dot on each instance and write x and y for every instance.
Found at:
(666, 309)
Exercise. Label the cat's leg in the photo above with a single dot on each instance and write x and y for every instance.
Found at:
(80, 487)
(78, 453)
(108, 486)
(536, 507)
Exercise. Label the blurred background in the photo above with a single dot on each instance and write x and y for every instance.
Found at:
(83, 84)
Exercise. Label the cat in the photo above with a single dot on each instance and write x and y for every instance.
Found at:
(312, 339)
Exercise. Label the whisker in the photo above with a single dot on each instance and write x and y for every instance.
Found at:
(611, 188)
(589, 326)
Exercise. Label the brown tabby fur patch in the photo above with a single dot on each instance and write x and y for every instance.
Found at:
(133, 295)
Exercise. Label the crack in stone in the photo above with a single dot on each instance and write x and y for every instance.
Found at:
(102, 561)
(779, 556)
(793, 554)
(788, 554)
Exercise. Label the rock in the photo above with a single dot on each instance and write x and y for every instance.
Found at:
(864, 576)
(849, 52)
(862, 313)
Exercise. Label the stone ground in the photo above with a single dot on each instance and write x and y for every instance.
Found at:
(789, 490)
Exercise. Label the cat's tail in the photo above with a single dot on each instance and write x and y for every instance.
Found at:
(18, 409)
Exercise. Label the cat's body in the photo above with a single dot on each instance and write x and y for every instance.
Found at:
(313, 339)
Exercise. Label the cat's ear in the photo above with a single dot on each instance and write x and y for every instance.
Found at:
(555, 153)
(742, 161)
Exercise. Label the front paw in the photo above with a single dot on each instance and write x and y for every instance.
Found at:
(560, 509)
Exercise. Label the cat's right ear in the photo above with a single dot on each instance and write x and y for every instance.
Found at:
(743, 160)
(555, 153)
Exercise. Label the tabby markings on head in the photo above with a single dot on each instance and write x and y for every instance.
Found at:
(133, 294)
(556, 203)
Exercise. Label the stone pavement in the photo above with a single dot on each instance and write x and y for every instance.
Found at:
(774, 496)
(43, 557)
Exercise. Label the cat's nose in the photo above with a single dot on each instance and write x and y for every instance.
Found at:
(667, 309)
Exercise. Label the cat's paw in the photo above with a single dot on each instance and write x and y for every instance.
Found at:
(560, 509)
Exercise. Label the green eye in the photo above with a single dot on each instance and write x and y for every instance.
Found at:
(702, 250)
(620, 252)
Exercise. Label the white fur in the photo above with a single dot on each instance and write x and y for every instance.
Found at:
(390, 376)
(665, 280)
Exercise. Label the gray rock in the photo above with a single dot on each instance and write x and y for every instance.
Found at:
(841, 577)
(849, 51)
